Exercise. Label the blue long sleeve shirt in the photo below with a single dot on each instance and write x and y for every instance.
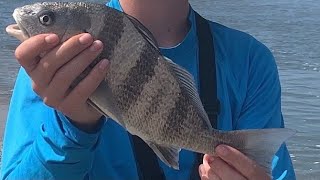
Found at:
(40, 142)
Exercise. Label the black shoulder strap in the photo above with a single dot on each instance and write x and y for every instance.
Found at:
(146, 160)
(208, 80)
(207, 70)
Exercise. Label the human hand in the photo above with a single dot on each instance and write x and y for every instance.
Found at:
(54, 67)
(230, 164)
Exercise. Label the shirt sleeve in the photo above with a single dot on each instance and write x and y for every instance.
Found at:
(40, 143)
(262, 104)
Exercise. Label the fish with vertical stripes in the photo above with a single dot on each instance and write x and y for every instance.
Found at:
(146, 93)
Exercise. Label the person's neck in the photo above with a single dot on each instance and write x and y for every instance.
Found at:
(167, 20)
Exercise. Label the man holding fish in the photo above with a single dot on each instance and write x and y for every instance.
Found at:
(101, 63)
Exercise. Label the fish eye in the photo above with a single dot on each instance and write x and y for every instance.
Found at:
(46, 18)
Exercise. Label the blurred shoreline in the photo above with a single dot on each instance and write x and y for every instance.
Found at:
(3, 118)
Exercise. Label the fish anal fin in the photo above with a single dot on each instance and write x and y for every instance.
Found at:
(168, 155)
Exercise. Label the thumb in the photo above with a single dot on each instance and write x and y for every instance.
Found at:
(202, 172)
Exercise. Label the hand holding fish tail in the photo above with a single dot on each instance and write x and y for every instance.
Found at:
(53, 68)
(230, 164)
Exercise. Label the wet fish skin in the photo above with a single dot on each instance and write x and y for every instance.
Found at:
(146, 93)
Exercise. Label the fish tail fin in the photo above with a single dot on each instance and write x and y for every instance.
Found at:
(261, 145)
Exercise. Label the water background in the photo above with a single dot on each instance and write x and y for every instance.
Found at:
(290, 28)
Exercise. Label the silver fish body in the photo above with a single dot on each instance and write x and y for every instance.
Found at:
(145, 92)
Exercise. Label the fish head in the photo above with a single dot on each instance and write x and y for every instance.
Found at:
(63, 19)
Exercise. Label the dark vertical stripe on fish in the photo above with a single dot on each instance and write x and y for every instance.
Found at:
(177, 116)
(112, 32)
(130, 89)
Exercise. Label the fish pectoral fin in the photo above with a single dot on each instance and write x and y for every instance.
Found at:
(188, 84)
(169, 155)
(102, 100)
(105, 113)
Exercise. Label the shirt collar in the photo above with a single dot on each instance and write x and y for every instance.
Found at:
(188, 42)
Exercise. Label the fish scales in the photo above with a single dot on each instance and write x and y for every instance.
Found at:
(184, 123)
(116, 26)
(160, 87)
(130, 89)
(129, 47)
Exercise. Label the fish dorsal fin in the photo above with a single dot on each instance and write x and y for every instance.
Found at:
(168, 155)
(144, 31)
(188, 84)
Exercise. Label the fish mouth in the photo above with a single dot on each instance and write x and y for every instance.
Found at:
(17, 30)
